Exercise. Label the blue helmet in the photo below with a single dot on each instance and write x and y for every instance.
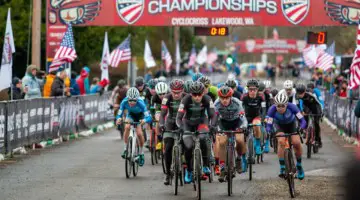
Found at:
(196, 76)
(219, 85)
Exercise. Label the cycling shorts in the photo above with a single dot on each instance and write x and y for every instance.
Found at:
(227, 125)
(286, 128)
(251, 120)
(134, 117)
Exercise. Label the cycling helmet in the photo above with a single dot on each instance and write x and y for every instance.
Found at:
(274, 92)
(231, 77)
(261, 87)
(161, 88)
(231, 83)
(133, 93)
(300, 88)
(196, 76)
(281, 98)
(225, 91)
(311, 85)
(162, 79)
(288, 84)
(267, 84)
(139, 81)
(177, 84)
(121, 83)
(152, 83)
(252, 83)
(197, 88)
(187, 85)
(205, 80)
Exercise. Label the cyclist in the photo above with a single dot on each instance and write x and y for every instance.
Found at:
(274, 92)
(194, 113)
(143, 90)
(231, 116)
(239, 87)
(187, 85)
(308, 103)
(290, 91)
(254, 105)
(120, 94)
(267, 94)
(196, 76)
(233, 85)
(150, 92)
(151, 85)
(283, 116)
(210, 89)
(169, 107)
(314, 90)
(137, 112)
(262, 91)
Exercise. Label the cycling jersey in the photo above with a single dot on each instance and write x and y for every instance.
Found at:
(317, 93)
(121, 94)
(292, 112)
(155, 104)
(267, 96)
(213, 92)
(254, 107)
(194, 113)
(292, 96)
(237, 94)
(232, 112)
(145, 95)
(139, 108)
(169, 107)
(311, 102)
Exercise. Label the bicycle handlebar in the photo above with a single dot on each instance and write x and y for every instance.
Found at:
(132, 123)
(252, 125)
(229, 132)
(287, 135)
(314, 115)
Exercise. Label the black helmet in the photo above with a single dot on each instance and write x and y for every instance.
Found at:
(121, 83)
(139, 81)
(252, 83)
(197, 88)
(231, 83)
(187, 85)
(274, 92)
(205, 80)
(300, 88)
(261, 86)
(311, 85)
(152, 83)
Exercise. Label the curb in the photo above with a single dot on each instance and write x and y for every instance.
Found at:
(347, 139)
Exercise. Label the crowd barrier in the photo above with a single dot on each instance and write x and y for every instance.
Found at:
(26, 122)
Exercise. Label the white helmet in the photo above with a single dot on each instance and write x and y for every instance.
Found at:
(133, 93)
(288, 84)
(231, 76)
(267, 84)
(161, 88)
(281, 98)
(162, 79)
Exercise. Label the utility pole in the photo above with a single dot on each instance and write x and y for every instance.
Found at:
(36, 33)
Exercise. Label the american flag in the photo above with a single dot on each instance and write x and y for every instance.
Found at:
(212, 57)
(308, 54)
(165, 56)
(130, 11)
(121, 53)
(331, 49)
(296, 10)
(325, 60)
(275, 34)
(355, 65)
(66, 53)
(192, 58)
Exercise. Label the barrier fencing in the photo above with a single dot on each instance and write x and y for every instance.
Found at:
(25, 122)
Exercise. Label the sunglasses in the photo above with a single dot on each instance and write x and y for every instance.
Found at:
(176, 93)
(132, 100)
(281, 105)
(162, 94)
(252, 89)
(223, 98)
(196, 94)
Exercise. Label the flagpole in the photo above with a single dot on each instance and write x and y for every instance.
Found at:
(145, 63)
(130, 63)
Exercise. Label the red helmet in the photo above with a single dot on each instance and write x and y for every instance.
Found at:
(225, 91)
(177, 84)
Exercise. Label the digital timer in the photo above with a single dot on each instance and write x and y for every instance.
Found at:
(211, 31)
(317, 38)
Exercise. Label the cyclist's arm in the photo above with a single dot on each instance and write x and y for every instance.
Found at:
(180, 114)
(215, 118)
(295, 110)
(211, 111)
(164, 111)
(147, 116)
(152, 106)
(270, 120)
(301, 105)
(319, 97)
(122, 108)
(263, 108)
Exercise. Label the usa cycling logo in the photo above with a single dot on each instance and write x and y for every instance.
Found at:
(295, 11)
(130, 10)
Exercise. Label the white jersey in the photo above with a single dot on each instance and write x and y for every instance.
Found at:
(293, 95)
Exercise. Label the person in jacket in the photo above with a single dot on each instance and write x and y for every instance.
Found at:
(49, 79)
(99, 87)
(94, 83)
(87, 81)
(58, 87)
(17, 93)
(74, 87)
(81, 81)
(30, 84)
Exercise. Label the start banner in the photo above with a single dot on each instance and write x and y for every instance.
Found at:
(195, 13)
(282, 46)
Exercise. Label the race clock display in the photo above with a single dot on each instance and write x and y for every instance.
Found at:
(317, 38)
(211, 31)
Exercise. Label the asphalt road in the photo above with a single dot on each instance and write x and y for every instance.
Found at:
(92, 168)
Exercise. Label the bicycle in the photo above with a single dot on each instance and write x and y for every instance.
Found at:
(263, 136)
(290, 167)
(251, 148)
(230, 157)
(310, 136)
(132, 154)
(152, 146)
(176, 166)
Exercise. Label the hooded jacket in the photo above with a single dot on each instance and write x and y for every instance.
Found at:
(82, 83)
(31, 82)
(48, 83)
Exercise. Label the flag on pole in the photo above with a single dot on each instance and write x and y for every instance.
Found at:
(178, 58)
(310, 56)
(121, 53)
(166, 57)
(192, 58)
(66, 53)
(202, 56)
(6, 60)
(212, 57)
(105, 59)
(148, 57)
(275, 34)
(324, 60)
(355, 65)
(331, 49)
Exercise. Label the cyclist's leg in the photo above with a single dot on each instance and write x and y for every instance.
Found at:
(188, 147)
(257, 134)
(204, 145)
(169, 143)
(298, 152)
(157, 130)
(126, 134)
(317, 130)
(216, 153)
(241, 152)
(281, 147)
(222, 141)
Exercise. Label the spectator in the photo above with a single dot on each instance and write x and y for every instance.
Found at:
(81, 81)
(16, 89)
(30, 83)
(334, 88)
(343, 89)
(148, 76)
(94, 83)
(49, 79)
(58, 87)
(74, 87)
(87, 81)
(100, 87)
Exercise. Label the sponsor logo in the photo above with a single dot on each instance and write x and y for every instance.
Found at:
(295, 11)
(250, 45)
(130, 10)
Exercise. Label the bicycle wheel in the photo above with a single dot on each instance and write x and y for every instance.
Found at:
(197, 167)
(128, 158)
(229, 171)
(250, 156)
(136, 163)
(290, 172)
(309, 141)
(176, 164)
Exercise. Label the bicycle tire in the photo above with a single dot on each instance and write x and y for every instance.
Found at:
(229, 169)
(197, 167)
(128, 161)
(136, 164)
(290, 174)
(250, 156)
(176, 169)
(309, 141)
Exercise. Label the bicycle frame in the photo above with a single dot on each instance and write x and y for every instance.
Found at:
(134, 140)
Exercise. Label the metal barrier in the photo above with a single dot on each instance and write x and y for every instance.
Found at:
(25, 122)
